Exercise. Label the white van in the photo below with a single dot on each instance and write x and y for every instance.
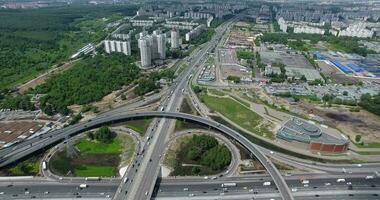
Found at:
(341, 180)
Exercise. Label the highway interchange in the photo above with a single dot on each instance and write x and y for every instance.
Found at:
(144, 169)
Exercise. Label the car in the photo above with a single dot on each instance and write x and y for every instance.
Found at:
(191, 195)
(146, 193)
(294, 189)
(185, 189)
(1, 193)
(46, 192)
(359, 165)
(327, 184)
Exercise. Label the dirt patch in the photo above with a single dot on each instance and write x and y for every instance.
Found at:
(342, 117)
(350, 123)
(18, 130)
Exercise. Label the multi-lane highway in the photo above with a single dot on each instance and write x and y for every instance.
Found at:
(181, 188)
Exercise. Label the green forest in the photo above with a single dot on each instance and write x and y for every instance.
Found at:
(33, 40)
(201, 150)
(371, 103)
(88, 81)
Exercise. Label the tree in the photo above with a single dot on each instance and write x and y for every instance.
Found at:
(358, 138)
(217, 157)
(234, 79)
(90, 135)
(103, 134)
(195, 170)
(194, 153)
(197, 89)
(76, 119)
(327, 97)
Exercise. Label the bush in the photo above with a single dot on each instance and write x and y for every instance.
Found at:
(234, 79)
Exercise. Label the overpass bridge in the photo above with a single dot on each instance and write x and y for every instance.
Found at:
(18, 151)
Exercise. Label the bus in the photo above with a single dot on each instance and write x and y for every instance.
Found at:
(228, 184)
(92, 178)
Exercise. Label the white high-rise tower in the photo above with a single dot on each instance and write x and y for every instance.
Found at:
(145, 46)
(174, 38)
(161, 44)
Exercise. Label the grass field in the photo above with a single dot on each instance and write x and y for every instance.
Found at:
(368, 145)
(94, 158)
(86, 146)
(216, 92)
(94, 171)
(237, 113)
(28, 167)
(232, 110)
(140, 125)
(241, 101)
(129, 149)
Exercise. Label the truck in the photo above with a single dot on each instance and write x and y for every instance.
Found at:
(44, 165)
(369, 177)
(83, 185)
(228, 184)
